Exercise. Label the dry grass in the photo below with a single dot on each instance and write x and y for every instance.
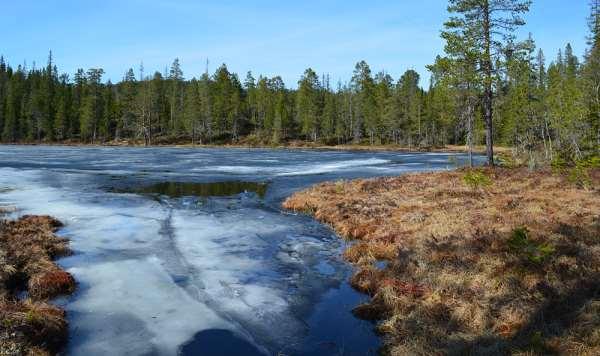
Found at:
(509, 268)
(28, 247)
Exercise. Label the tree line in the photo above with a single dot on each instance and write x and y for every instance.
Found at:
(487, 87)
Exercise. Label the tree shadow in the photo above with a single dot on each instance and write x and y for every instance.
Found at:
(553, 319)
(217, 342)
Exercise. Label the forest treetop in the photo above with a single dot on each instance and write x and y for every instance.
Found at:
(496, 89)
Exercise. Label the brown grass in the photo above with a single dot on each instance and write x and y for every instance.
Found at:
(511, 268)
(27, 249)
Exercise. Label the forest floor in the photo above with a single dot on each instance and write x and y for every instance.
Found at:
(490, 261)
(30, 325)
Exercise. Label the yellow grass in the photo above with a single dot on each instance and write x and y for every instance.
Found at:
(509, 268)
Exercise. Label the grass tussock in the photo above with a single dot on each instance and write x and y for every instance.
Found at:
(32, 326)
(493, 261)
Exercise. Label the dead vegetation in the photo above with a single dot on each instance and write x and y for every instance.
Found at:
(509, 265)
(28, 278)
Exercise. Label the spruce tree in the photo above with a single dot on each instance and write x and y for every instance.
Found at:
(63, 109)
(92, 107)
(192, 113)
(47, 96)
(307, 104)
(175, 96)
(364, 89)
(330, 113)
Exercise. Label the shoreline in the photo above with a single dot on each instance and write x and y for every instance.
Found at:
(475, 265)
(479, 150)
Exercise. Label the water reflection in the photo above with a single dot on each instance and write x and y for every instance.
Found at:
(216, 189)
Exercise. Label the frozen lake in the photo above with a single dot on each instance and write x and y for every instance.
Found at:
(187, 251)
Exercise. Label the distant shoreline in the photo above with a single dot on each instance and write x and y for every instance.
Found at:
(292, 146)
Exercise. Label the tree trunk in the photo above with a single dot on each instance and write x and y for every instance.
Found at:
(488, 96)
(470, 111)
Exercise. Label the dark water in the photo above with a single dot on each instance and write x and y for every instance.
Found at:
(187, 251)
(186, 189)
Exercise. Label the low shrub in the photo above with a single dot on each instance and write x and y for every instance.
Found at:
(534, 252)
(580, 173)
(476, 180)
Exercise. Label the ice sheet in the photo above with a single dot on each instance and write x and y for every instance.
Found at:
(153, 271)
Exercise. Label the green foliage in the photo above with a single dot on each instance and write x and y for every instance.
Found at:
(554, 109)
(308, 103)
(559, 164)
(590, 162)
(476, 180)
(580, 174)
(534, 252)
(33, 317)
(339, 187)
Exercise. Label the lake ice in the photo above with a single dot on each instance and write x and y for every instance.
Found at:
(190, 274)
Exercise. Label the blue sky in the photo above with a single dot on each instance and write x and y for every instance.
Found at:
(266, 36)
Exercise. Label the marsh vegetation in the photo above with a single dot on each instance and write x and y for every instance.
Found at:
(28, 280)
(489, 261)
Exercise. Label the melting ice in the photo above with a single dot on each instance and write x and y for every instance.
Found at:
(187, 273)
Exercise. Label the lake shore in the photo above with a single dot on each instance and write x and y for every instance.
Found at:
(28, 280)
(295, 145)
(501, 261)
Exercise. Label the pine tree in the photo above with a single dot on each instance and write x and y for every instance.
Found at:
(518, 126)
(383, 98)
(264, 106)
(442, 105)
(366, 111)
(330, 113)
(14, 101)
(80, 84)
(63, 109)
(483, 26)
(4, 77)
(192, 113)
(92, 107)
(234, 113)
(204, 88)
(307, 104)
(127, 119)
(47, 96)
(280, 113)
(159, 109)
(346, 121)
(566, 108)
(110, 114)
(591, 75)
(409, 110)
(175, 96)
(251, 100)
(226, 102)
(34, 105)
